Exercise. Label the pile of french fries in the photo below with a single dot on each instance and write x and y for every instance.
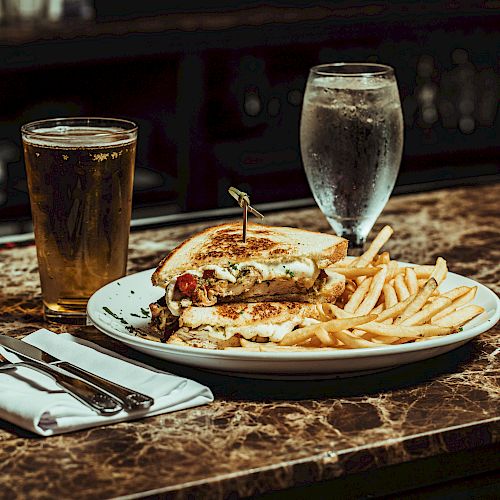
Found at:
(383, 304)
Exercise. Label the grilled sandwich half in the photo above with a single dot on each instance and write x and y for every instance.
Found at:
(275, 264)
(223, 325)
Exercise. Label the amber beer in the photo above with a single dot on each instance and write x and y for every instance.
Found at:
(80, 177)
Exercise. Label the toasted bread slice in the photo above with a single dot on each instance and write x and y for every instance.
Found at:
(243, 314)
(200, 339)
(222, 326)
(327, 292)
(222, 245)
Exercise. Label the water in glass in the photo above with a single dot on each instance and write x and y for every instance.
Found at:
(351, 138)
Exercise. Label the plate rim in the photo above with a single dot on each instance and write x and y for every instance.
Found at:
(344, 354)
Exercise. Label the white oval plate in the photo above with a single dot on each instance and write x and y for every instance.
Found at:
(122, 306)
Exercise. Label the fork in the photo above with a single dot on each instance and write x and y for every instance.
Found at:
(86, 393)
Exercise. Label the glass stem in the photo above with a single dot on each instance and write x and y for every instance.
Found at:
(355, 249)
(356, 244)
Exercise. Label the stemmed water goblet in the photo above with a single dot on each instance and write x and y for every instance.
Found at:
(351, 138)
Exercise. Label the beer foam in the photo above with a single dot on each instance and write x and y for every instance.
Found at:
(79, 137)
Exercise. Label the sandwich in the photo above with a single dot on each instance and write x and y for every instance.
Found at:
(276, 264)
(224, 325)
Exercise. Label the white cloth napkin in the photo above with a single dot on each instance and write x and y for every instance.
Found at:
(35, 402)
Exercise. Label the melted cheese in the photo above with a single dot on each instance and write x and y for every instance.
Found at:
(221, 273)
(332, 277)
(173, 305)
(273, 331)
(298, 270)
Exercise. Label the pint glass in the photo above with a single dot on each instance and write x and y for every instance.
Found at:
(80, 177)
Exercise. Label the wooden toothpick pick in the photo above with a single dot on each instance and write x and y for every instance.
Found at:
(244, 202)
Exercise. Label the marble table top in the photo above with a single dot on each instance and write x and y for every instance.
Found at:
(260, 436)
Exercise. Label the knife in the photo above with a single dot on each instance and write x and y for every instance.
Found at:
(131, 400)
(88, 394)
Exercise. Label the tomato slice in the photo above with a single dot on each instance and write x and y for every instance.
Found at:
(187, 284)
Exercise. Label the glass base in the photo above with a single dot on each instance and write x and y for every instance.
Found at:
(67, 317)
(354, 250)
(355, 230)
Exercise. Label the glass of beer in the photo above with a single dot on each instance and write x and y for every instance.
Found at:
(80, 176)
(351, 138)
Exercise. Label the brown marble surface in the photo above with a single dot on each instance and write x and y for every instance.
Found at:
(259, 436)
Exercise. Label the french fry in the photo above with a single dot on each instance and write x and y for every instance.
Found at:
(427, 312)
(345, 262)
(390, 313)
(358, 296)
(360, 280)
(418, 302)
(460, 316)
(302, 334)
(380, 339)
(411, 280)
(392, 270)
(383, 258)
(423, 271)
(457, 292)
(325, 313)
(312, 342)
(395, 310)
(358, 333)
(325, 338)
(373, 293)
(440, 270)
(338, 312)
(406, 331)
(299, 336)
(400, 286)
(461, 301)
(352, 341)
(378, 242)
(354, 272)
(390, 296)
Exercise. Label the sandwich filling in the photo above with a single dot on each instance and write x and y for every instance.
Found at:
(273, 332)
(206, 285)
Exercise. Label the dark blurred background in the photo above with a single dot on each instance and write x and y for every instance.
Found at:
(216, 88)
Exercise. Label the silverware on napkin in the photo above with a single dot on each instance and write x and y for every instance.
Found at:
(88, 394)
(129, 399)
